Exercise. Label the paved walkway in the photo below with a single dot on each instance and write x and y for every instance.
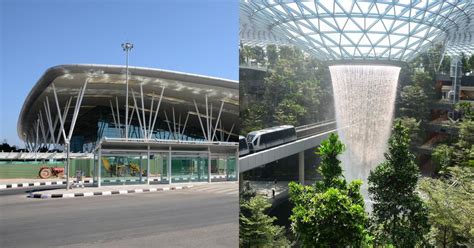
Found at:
(34, 182)
(264, 188)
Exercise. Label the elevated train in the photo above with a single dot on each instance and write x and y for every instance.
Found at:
(274, 136)
(266, 138)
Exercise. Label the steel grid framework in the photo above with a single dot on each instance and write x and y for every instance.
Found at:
(356, 30)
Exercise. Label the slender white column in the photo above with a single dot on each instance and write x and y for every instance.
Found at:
(156, 112)
(218, 119)
(100, 165)
(179, 126)
(50, 121)
(174, 122)
(59, 112)
(209, 164)
(210, 124)
(145, 130)
(230, 132)
(138, 114)
(113, 113)
(148, 164)
(118, 119)
(207, 120)
(199, 117)
(150, 117)
(64, 116)
(169, 165)
(185, 122)
(168, 123)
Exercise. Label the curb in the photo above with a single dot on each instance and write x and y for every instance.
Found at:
(105, 193)
(63, 182)
(33, 184)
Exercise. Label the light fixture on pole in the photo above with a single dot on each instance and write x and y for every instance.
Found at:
(127, 46)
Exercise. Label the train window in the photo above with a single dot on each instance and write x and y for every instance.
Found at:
(242, 144)
(250, 138)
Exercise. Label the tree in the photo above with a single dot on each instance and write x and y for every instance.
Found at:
(450, 200)
(465, 63)
(259, 55)
(257, 228)
(288, 112)
(471, 63)
(464, 146)
(413, 127)
(272, 55)
(329, 213)
(414, 102)
(5, 147)
(443, 156)
(466, 110)
(399, 216)
(252, 119)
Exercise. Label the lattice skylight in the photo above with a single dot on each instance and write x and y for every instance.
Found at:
(359, 30)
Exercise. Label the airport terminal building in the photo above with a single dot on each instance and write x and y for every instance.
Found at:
(140, 125)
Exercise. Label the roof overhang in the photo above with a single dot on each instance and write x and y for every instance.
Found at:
(108, 82)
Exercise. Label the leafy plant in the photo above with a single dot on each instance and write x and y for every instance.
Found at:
(329, 213)
(399, 216)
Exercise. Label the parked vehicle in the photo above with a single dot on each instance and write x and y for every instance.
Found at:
(270, 137)
(46, 172)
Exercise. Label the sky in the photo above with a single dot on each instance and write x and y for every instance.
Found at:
(199, 37)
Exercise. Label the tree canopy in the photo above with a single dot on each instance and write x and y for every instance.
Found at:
(296, 90)
(329, 213)
(399, 216)
(257, 228)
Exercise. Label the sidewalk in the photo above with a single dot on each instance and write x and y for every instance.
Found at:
(12, 183)
(106, 190)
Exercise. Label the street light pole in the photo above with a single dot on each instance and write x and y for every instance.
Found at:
(126, 47)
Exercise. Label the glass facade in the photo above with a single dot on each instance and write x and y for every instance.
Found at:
(189, 167)
(123, 169)
(126, 167)
(223, 168)
(159, 167)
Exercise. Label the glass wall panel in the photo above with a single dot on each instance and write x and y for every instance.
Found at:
(159, 168)
(218, 168)
(123, 169)
(189, 167)
(231, 169)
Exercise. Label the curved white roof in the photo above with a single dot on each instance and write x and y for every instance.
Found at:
(106, 84)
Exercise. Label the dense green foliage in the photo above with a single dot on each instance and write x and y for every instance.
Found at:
(458, 153)
(293, 91)
(414, 102)
(329, 213)
(450, 201)
(399, 216)
(257, 228)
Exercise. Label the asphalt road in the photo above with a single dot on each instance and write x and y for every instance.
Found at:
(203, 216)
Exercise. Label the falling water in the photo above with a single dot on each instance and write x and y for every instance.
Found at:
(364, 99)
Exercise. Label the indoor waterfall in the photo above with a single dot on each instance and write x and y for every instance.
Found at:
(364, 102)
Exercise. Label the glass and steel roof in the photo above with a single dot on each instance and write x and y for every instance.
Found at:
(357, 30)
